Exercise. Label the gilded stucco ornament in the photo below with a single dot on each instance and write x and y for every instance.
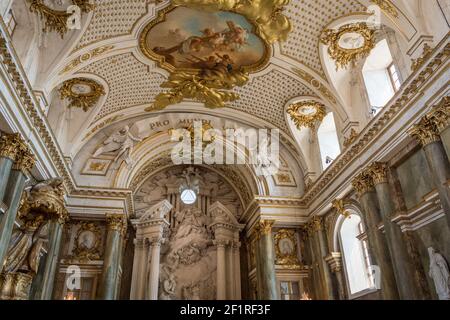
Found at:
(209, 77)
(339, 205)
(87, 242)
(46, 198)
(56, 20)
(387, 7)
(81, 92)
(307, 113)
(349, 43)
(363, 183)
(286, 249)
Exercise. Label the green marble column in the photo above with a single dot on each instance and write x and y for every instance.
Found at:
(402, 262)
(9, 151)
(426, 132)
(266, 262)
(322, 246)
(107, 286)
(55, 230)
(13, 194)
(363, 183)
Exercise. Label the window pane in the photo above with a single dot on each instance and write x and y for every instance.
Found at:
(354, 256)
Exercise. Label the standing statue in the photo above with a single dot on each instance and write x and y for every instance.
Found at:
(440, 274)
(122, 141)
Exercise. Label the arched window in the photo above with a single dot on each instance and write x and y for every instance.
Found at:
(355, 255)
(328, 141)
(381, 76)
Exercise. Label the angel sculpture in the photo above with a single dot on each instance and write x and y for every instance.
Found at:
(122, 141)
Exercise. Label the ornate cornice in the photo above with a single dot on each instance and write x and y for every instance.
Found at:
(440, 114)
(387, 7)
(378, 172)
(425, 132)
(363, 183)
(413, 86)
(31, 108)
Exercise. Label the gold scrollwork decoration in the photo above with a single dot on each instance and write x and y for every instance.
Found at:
(349, 43)
(387, 7)
(56, 20)
(286, 249)
(87, 242)
(208, 89)
(307, 113)
(82, 92)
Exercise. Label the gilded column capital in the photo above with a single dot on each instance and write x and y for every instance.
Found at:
(425, 132)
(363, 183)
(440, 114)
(11, 145)
(24, 161)
(378, 171)
(265, 227)
(117, 222)
(316, 224)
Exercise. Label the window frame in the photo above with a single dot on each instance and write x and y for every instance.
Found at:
(366, 258)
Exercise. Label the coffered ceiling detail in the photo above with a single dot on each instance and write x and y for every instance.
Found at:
(309, 18)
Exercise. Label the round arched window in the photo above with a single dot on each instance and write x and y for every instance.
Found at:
(188, 196)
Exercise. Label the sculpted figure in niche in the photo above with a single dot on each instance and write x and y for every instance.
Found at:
(121, 141)
(440, 274)
(190, 221)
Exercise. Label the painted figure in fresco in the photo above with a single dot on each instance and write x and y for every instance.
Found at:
(231, 39)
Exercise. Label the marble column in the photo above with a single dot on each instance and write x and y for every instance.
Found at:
(138, 269)
(427, 133)
(402, 263)
(221, 269)
(116, 226)
(266, 262)
(9, 151)
(364, 185)
(55, 229)
(153, 282)
(24, 161)
(237, 268)
(334, 260)
(320, 239)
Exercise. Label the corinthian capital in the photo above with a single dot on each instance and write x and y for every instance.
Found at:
(117, 222)
(378, 171)
(363, 183)
(440, 114)
(425, 132)
(265, 227)
(12, 146)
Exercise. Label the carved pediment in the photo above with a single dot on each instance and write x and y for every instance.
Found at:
(221, 214)
(158, 211)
